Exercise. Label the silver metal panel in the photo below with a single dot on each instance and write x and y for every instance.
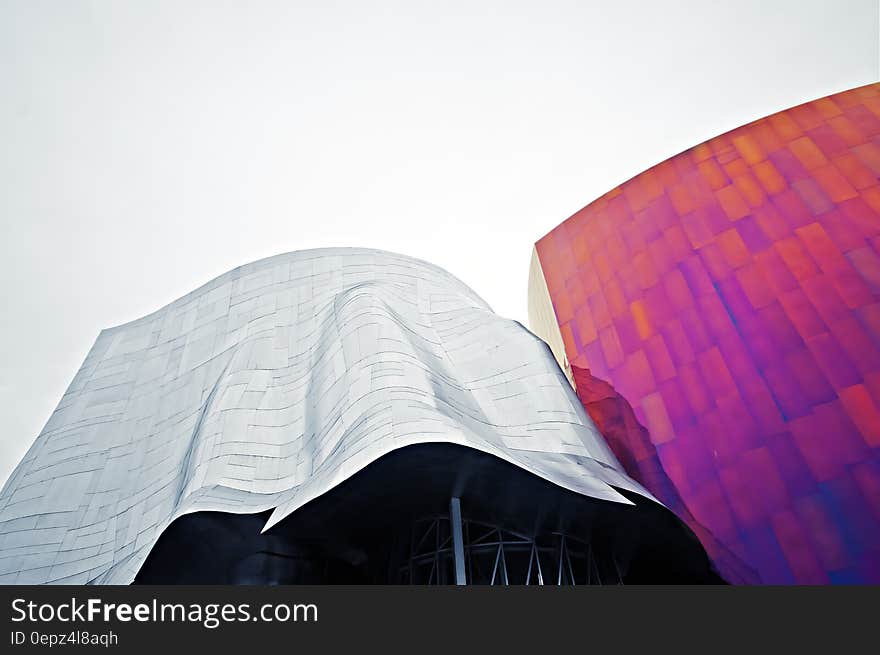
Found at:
(267, 387)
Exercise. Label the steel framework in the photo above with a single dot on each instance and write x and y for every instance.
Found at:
(494, 555)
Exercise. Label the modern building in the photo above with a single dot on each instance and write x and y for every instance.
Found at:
(339, 415)
(719, 316)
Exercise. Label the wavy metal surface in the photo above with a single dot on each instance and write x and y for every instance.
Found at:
(267, 387)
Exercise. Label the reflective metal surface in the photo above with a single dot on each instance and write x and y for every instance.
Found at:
(271, 385)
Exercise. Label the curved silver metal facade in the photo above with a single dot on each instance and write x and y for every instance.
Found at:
(267, 387)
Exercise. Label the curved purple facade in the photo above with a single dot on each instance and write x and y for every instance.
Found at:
(731, 295)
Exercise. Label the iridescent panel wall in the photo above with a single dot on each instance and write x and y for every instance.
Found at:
(731, 296)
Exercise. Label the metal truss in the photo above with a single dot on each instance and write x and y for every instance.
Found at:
(494, 555)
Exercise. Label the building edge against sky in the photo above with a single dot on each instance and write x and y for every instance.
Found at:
(299, 418)
(719, 315)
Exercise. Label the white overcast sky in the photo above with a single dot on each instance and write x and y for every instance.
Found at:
(146, 147)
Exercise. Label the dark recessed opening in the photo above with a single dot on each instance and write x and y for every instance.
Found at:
(376, 528)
